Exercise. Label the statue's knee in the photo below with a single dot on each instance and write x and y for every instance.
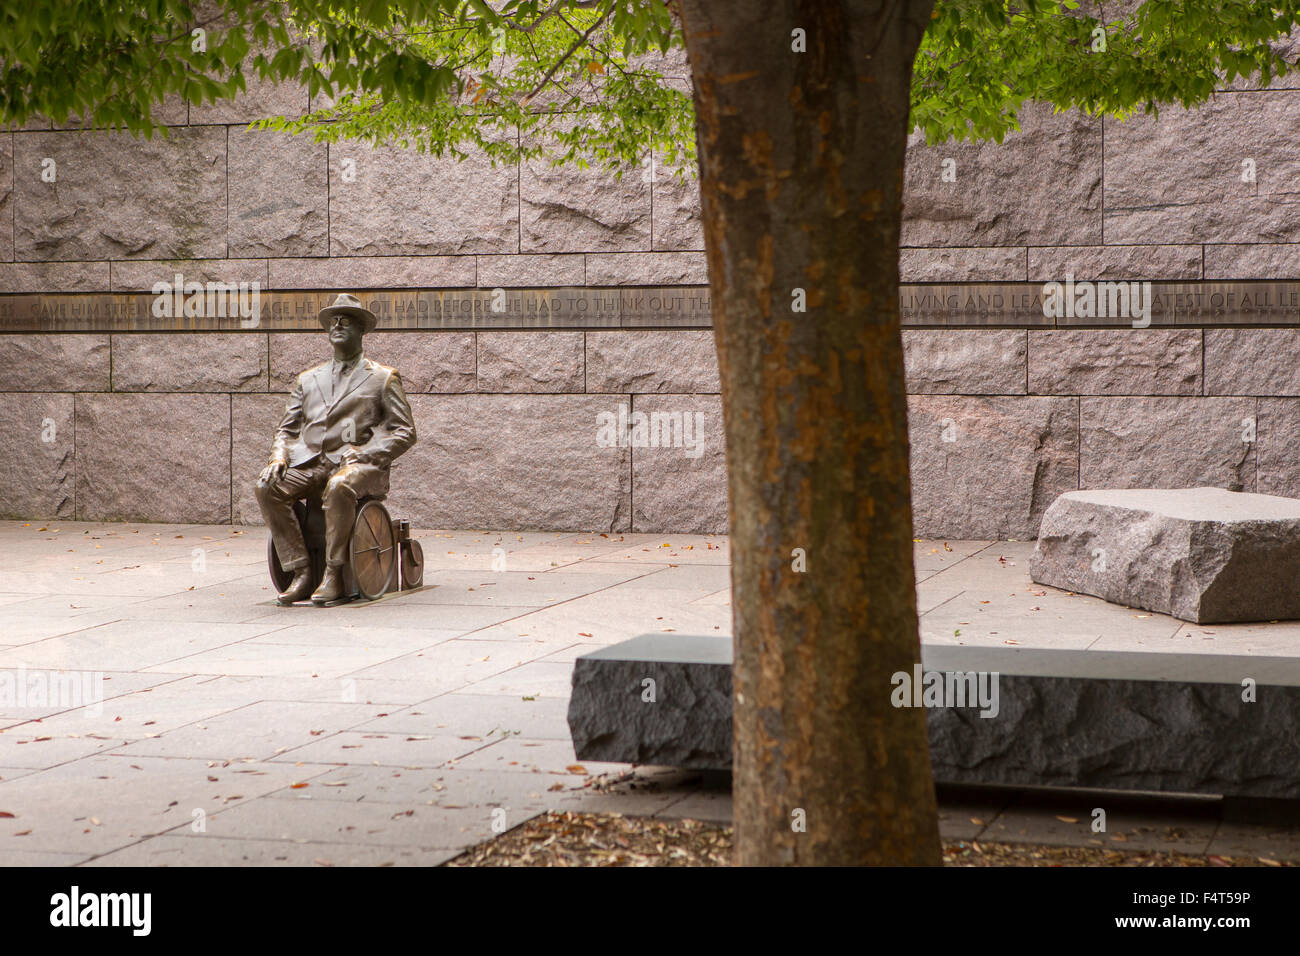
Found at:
(337, 489)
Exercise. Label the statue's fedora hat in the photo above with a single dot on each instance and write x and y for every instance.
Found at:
(347, 304)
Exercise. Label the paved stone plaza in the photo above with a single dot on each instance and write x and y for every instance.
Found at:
(233, 731)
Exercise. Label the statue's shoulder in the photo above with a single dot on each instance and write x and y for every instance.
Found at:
(378, 369)
(308, 373)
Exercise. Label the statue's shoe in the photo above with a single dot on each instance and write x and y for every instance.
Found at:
(330, 591)
(298, 588)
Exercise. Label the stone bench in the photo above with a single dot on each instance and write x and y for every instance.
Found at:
(1163, 722)
(682, 719)
(1200, 554)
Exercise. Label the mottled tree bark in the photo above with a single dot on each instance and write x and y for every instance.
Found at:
(801, 175)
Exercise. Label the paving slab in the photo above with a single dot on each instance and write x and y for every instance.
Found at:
(456, 663)
(366, 782)
(387, 694)
(1071, 823)
(607, 617)
(536, 679)
(260, 731)
(1267, 842)
(931, 557)
(373, 824)
(516, 588)
(107, 802)
(409, 751)
(455, 617)
(203, 850)
(142, 713)
(30, 627)
(129, 645)
(355, 636)
(463, 712)
(273, 659)
(709, 806)
(453, 673)
(524, 755)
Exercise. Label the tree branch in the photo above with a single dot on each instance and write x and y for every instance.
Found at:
(578, 44)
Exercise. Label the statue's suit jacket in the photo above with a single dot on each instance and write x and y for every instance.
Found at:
(316, 420)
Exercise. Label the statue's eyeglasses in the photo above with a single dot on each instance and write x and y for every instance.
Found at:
(344, 320)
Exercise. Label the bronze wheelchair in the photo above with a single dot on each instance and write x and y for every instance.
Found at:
(381, 555)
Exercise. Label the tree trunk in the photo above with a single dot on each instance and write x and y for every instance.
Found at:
(801, 177)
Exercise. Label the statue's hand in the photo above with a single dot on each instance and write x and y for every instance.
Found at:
(352, 456)
(272, 473)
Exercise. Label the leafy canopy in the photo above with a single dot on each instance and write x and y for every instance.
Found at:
(979, 61)
(582, 80)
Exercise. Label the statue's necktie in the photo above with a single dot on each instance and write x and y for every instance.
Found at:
(340, 375)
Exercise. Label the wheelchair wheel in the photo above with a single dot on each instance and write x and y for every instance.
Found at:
(373, 551)
(412, 564)
(280, 578)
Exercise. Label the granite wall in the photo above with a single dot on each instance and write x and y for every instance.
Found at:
(517, 429)
(107, 421)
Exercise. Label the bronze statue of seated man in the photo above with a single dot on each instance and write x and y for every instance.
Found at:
(346, 421)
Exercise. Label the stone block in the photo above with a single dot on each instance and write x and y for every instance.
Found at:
(50, 363)
(142, 275)
(427, 361)
(525, 271)
(1252, 362)
(387, 210)
(373, 272)
(671, 64)
(1199, 195)
(1200, 554)
(647, 268)
(1054, 263)
(1113, 720)
(54, 277)
(1288, 47)
(679, 480)
(678, 222)
(972, 264)
(1277, 436)
(1115, 362)
(567, 209)
(143, 457)
(965, 361)
(279, 195)
(6, 196)
(36, 472)
(989, 467)
(528, 361)
(1040, 186)
(641, 361)
(34, 122)
(172, 111)
(259, 100)
(1167, 443)
(513, 461)
(1121, 720)
(1273, 260)
(170, 199)
(688, 723)
(254, 419)
(190, 362)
